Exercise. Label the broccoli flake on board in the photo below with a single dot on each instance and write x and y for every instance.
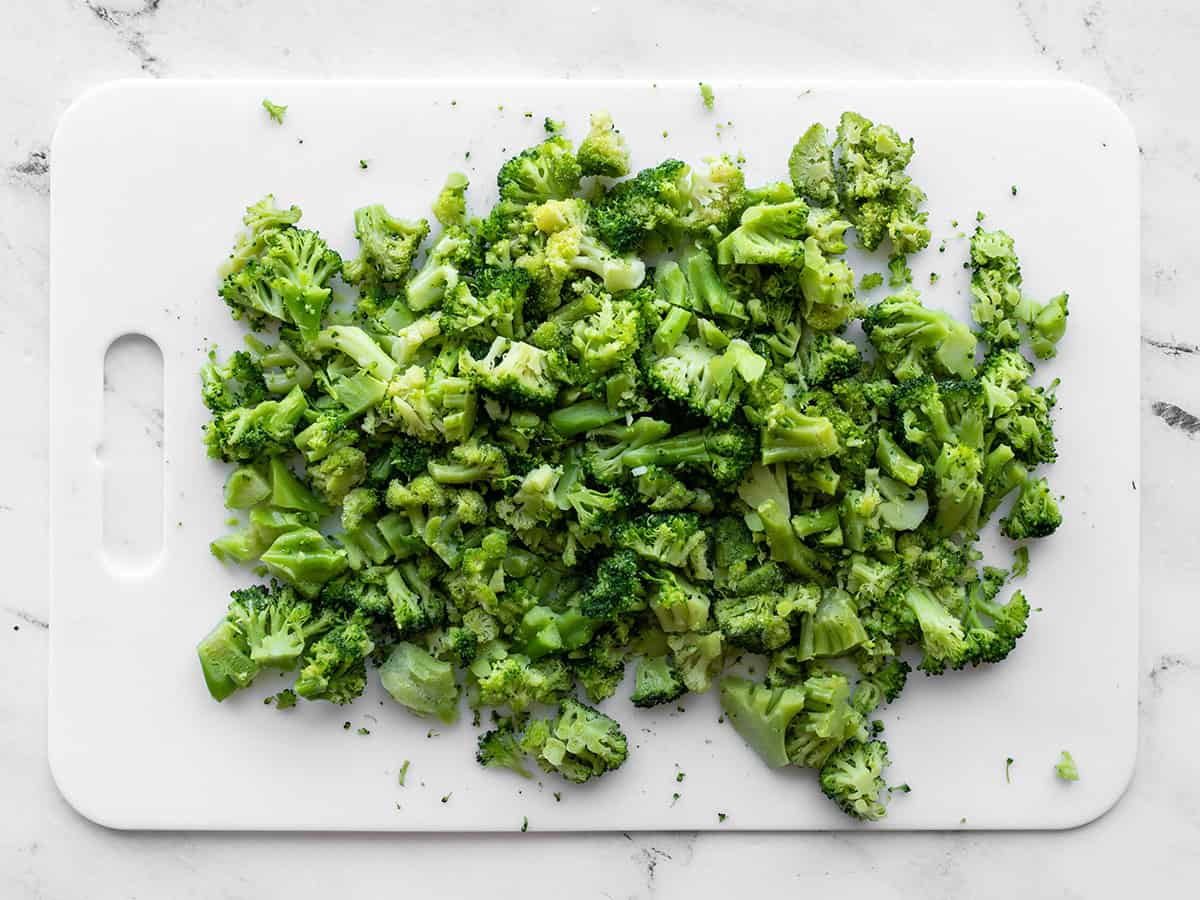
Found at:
(618, 423)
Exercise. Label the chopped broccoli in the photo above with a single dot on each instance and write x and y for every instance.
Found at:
(627, 418)
(1066, 768)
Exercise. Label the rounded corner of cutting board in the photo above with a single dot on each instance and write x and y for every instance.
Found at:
(80, 112)
(78, 791)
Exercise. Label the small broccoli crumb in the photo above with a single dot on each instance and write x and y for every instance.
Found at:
(870, 280)
(707, 95)
(721, 817)
(942, 247)
(1014, 190)
(274, 110)
(446, 797)
(524, 824)
(364, 731)
(674, 798)
(679, 776)
(558, 796)
(285, 699)
(232, 521)
(980, 216)
(1066, 768)
(933, 277)
(345, 726)
(664, 132)
(1008, 770)
(899, 789)
(362, 164)
(1020, 565)
(552, 126)
(403, 772)
(432, 733)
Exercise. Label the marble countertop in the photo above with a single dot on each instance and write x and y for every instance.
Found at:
(1142, 55)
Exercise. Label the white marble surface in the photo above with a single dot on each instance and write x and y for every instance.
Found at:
(1142, 54)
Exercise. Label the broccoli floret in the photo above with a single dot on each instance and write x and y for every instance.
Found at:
(698, 658)
(827, 721)
(707, 97)
(789, 435)
(608, 446)
(501, 748)
(517, 682)
(810, 167)
(999, 308)
(616, 588)
(852, 778)
(705, 381)
(546, 171)
(655, 682)
(276, 624)
(387, 247)
(656, 199)
(761, 715)
(722, 453)
(958, 488)
(829, 358)
(875, 192)
(992, 629)
(834, 628)
(770, 233)
(338, 473)
(754, 622)
(678, 604)
(579, 743)
(287, 282)
(516, 371)
(470, 462)
(828, 288)
(334, 668)
(1035, 513)
(439, 275)
(252, 433)
(608, 337)
(942, 636)
(450, 207)
(660, 491)
(603, 150)
(262, 219)
(416, 680)
(666, 538)
(416, 605)
(912, 339)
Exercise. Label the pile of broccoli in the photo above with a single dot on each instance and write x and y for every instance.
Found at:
(619, 420)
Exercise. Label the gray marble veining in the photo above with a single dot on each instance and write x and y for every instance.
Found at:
(1144, 55)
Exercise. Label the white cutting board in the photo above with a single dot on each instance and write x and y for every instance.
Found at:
(149, 181)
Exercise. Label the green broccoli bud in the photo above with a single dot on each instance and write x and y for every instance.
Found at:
(852, 778)
(603, 150)
(579, 743)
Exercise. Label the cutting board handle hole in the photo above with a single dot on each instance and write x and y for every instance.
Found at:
(130, 454)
